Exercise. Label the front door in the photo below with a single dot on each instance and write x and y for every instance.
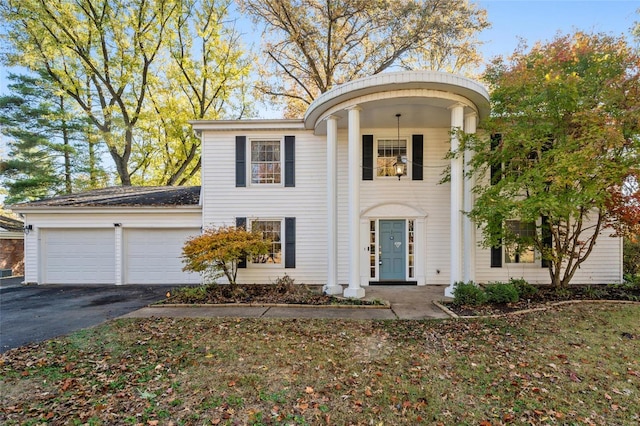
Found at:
(392, 254)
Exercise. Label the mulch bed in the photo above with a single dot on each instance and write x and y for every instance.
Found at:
(547, 296)
(261, 293)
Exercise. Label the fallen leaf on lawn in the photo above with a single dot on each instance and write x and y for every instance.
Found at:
(66, 384)
(309, 390)
(231, 383)
(607, 396)
(368, 392)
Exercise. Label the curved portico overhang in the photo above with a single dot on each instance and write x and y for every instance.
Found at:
(424, 99)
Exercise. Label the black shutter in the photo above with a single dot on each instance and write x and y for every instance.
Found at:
(496, 256)
(417, 157)
(241, 161)
(289, 242)
(496, 169)
(496, 251)
(241, 222)
(547, 239)
(289, 161)
(367, 157)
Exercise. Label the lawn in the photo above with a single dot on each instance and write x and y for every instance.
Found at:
(577, 364)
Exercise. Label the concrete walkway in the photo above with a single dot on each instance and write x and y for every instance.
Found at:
(407, 302)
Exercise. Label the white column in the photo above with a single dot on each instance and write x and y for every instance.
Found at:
(354, 289)
(33, 273)
(457, 123)
(118, 249)
(332, 286)
(468, 231)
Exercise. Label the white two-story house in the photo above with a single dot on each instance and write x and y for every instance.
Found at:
(350, 194)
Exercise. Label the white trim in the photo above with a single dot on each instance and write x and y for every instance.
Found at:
(248, 161)
(408, 150)
(247, 125)
(280, 265)
(11, 235)
(437, 82)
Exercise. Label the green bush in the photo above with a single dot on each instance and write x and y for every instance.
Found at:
(525, 290)
(631, 253)
(501, 293)
(468, 294)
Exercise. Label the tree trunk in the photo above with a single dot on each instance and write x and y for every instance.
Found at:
(67, 147)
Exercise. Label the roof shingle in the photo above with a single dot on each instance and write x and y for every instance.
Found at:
(124, 196)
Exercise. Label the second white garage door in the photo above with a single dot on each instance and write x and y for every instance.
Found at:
(153, 256)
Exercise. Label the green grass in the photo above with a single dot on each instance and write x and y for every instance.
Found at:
(578, 364)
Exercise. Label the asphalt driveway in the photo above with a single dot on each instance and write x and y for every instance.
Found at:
(36, 313)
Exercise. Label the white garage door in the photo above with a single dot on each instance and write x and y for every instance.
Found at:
(78, 256)
(153, 256)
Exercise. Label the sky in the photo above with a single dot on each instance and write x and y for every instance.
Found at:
(513, 20)
(531, 20)
(541, 20)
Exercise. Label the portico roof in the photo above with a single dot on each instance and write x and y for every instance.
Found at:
(422, 97)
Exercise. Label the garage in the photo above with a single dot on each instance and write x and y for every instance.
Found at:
(153, 256)
(78, 256)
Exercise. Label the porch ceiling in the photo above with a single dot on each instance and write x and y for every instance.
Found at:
(415, 112)
(424, 99)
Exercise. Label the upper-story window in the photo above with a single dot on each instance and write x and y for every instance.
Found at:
(388, 152)
(266, 162)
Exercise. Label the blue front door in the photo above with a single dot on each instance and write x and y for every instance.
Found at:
(392, 254)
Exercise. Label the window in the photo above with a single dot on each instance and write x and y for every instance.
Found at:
(271, 230)
(520, 251)
(372, 249)
(410, 247)
(266, 163)
(388, 152)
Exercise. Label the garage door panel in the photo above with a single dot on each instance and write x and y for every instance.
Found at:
(154, 256)
(78, 256)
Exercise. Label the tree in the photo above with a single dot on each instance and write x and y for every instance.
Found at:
(568, 119)
(316, 44)
(219, 250)
(110, 57)
(47, 153)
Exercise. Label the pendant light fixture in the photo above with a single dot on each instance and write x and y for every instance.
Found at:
(399, 165)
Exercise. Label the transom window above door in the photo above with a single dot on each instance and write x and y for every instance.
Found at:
(388, 152)
(266, 162)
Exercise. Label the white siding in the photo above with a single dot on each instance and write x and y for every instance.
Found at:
(426, 195)
(223, 202)
(603, 266)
